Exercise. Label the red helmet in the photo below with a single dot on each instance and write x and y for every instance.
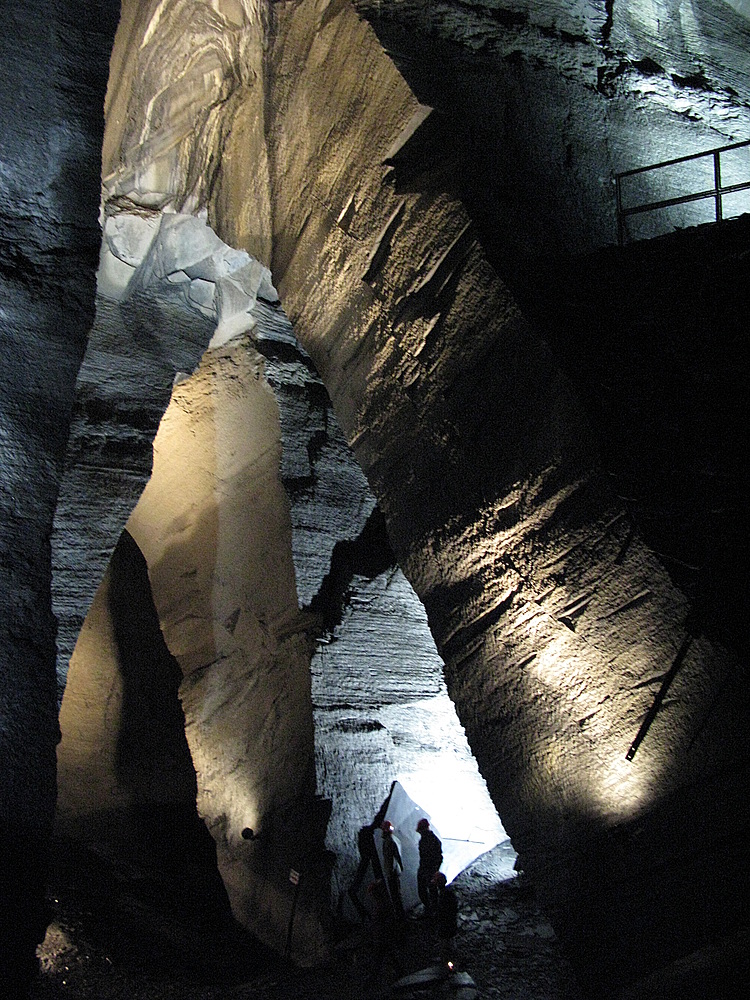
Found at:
(386, 826)
(422, 825)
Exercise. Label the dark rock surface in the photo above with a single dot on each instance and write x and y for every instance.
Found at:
(53, 71)
(654, 337)
(121, 930)
(557, 623)
(537, 104)
(380, 707)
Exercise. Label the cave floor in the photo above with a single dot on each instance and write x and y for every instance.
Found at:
(117, 933)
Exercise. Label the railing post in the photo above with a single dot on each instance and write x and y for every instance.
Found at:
(620, 224)
(717, 183)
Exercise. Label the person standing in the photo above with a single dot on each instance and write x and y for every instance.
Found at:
(430, 860)
(368, 859)
(393, 866)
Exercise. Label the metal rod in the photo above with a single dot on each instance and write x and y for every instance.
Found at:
(717, 182)
(651, 714)
(685, 198)
(683, 159)
(717, 192)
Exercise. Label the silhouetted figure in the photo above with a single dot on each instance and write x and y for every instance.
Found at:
(368, 858)
(383, 928)
(430, 860)
(446, 917)
(393, 866)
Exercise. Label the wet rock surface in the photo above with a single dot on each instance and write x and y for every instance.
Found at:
(125, 929)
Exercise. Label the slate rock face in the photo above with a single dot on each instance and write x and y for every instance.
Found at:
(560, 627)
(213, 527)
(219, 549)
(134, 353)
(330, 501)
(168, 287)
(49, 182)
(537, 104)
(126, 782)
(556, 622)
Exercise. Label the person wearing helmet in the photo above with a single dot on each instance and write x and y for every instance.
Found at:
(391, 864)
(430, 860)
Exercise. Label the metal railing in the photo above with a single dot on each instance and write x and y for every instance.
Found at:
(717, 192)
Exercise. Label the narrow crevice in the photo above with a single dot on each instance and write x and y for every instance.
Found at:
(473, 630)
(610, 73)
(368, 555)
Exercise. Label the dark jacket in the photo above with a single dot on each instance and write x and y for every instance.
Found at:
(430, 852)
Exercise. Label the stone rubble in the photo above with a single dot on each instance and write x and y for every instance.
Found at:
(95, 952)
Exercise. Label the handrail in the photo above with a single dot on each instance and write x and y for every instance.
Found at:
(717, 192)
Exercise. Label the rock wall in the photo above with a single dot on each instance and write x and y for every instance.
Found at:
(559, 627)
(525, 560)
(557, 624)
(381, 711)
(538, 104)
(214, 527)
(50, 142)
(223, 545)
(123, 762)
(135, 351)
(383, 715)
(167, 288)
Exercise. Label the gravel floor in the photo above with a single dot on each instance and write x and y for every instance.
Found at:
(117, 933)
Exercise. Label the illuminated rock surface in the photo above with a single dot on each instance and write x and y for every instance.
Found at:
(220, 441)
(408, 249)
(556, 622)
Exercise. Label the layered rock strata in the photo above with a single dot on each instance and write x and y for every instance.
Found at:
(557, 624)
(562, 633)
(538, 104)
(243, 685)
(167, 288)
(135, 351)
(552, 616)
(213, 526)
(380, 707)
(50, 141)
